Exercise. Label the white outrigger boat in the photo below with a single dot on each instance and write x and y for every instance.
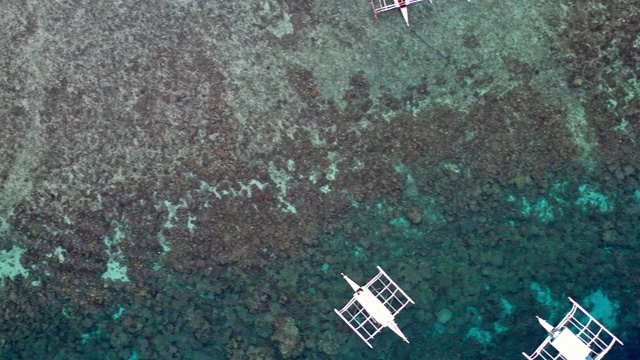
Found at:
(374, 306)
(386, 5)
(579, 336)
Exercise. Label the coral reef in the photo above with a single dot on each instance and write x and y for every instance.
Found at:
(188, 179)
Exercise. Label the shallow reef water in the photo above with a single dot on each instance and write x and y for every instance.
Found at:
(188, 179)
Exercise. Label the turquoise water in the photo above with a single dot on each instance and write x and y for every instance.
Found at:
(188, 179)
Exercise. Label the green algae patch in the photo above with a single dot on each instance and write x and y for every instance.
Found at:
(591, 199)
(10, 265)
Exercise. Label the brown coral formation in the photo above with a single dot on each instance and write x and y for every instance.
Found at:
(288, 336)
